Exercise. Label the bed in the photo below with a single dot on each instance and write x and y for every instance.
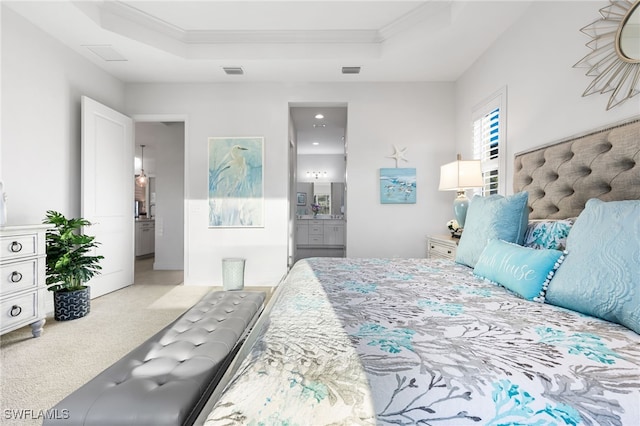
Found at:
(428, 341)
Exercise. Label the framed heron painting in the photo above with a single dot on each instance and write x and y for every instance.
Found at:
(236, 182)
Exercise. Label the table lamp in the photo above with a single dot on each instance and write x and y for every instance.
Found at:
(458, 176)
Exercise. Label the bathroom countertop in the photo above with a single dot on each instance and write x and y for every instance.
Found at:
(320, 217)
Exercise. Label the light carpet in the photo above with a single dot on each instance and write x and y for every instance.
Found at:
(36, 373)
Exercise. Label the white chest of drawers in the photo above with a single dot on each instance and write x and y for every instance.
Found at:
(22, 277)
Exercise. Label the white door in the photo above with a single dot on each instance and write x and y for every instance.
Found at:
(107, 192)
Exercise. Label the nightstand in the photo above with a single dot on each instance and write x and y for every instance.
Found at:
(22, 277)
(442, 247)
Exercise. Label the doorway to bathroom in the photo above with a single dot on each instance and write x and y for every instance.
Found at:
(318, 180)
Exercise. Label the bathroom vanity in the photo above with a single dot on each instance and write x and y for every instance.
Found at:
(322, 236)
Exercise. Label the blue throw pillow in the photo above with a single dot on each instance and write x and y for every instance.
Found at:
(523, 270)
(549, 234)
(492, 218)
(601, 275)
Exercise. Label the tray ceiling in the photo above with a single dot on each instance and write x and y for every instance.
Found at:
(286, 41)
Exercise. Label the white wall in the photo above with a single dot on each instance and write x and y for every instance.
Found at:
(535, 59)
(166, 143)
(416, 116)
(42, 82)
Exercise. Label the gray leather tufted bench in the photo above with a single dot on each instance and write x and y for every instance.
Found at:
(168, 378)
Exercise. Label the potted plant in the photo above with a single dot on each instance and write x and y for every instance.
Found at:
(70, 264)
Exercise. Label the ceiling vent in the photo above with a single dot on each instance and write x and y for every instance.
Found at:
(233, 70)
(350, 70)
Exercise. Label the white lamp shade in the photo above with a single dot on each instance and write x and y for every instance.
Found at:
(460, 174)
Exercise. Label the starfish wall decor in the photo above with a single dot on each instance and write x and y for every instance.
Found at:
(398, 154)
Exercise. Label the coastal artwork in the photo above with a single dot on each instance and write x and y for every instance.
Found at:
(398, 186)
(236, 182)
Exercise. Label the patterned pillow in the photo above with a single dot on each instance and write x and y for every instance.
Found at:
(548, 234)
(523, 270)
(600, 275)
(492, 217)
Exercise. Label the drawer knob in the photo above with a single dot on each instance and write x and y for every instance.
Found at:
(15, 247)
(15, 311)
(16, 277)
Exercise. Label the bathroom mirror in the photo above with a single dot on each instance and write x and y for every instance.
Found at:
(328, 195)
(614, 60)
(322, 196)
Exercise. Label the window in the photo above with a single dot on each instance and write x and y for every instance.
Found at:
(489, 138)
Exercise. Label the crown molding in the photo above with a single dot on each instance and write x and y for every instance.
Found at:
(425, 12)
(115, 10)
(132, 15)
(281, 36)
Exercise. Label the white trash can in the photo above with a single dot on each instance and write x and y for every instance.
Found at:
(233, 273)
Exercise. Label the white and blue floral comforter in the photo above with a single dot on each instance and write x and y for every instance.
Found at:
(378, 341)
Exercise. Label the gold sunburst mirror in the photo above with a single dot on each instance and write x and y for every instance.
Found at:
(614, 60)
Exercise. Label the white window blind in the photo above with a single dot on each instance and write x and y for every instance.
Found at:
(489, 143)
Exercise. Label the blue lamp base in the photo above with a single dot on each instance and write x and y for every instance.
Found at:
(460, 207)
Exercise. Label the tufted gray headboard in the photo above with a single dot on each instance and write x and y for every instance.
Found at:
(562, 176)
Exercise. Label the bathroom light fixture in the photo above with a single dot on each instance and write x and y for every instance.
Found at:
(319, 125)
(319, 116)
(141, 179)
(315, 143)
(316, 174)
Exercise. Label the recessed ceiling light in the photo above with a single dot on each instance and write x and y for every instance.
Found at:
(315, 143)
(319, 116)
